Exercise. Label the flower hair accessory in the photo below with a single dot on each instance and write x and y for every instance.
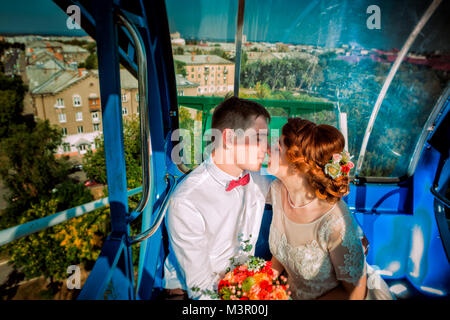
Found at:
(339, 164)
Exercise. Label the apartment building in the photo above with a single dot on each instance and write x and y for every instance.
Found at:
(71, 100)
(185, 87)
(214, 74)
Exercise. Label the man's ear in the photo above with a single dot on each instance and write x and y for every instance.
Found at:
(228, 138)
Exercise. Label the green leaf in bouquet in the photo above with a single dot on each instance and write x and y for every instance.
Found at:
(225, 291)
(248, 283)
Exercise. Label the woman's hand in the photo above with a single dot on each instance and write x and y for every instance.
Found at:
(276, 273)
(277, 267)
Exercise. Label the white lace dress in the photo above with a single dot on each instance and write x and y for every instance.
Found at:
(317, 255)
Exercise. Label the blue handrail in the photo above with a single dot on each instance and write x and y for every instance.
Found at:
(19, 231)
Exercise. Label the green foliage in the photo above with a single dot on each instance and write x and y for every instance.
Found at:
(48, 253)
(38, 254)
(12, 93)
(28, 167)
(91, 47)
(70, 195)
(355, 88)
(280, 74)
(6, 45)
(186, 121)
(178, 50)
(77, 42)
(90, 62)
(39, 186)
(219, 52)
(94, 163)
(180, 68)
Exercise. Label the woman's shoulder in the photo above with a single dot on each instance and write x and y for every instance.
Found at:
(275, 185)
(339, 211)
(339, 220)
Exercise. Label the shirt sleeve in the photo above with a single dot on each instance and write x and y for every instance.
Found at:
(345, 248)
(187, 236)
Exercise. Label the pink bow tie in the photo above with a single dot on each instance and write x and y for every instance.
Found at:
(239, 182)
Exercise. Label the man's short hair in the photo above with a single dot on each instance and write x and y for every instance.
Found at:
(236, 113)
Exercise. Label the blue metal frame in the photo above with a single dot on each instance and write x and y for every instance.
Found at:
(14, 233)
(120, 274)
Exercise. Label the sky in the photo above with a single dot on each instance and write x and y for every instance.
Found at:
(326, 23)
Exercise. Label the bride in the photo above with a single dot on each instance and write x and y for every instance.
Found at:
(313, 236)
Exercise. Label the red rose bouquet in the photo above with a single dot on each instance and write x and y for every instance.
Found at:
(249, 278)
(253, 280)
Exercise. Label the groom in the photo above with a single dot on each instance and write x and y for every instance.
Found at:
(218, 201)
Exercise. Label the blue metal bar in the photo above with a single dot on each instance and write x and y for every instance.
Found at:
(108, 66)
(153, 36)
(239, 30)
(103, 270)
(14, 233)
(109, 76)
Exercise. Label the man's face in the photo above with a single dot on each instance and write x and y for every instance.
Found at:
(251, 145)
(278, 165)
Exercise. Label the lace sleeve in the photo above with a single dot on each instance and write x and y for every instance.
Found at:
(272, 191)
(345, 248)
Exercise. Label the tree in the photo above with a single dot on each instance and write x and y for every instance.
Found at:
(94, 163)
(262, 91)
(180, 68)
(178, 50)
(28, 167)
(12, 93)
(220, 52)
(187, 122)
(90, 62)
(50, 252)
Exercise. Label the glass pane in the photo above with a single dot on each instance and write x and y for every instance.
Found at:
(202, 35)
(334, 51)
(414, 91)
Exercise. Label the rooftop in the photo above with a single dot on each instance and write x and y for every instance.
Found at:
(182, 82)
(43, 83)
(59, 81)
(201, 59)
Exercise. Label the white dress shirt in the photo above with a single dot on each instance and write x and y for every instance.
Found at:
(204, 222)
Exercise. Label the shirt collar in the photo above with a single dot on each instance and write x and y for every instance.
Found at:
(218, 174)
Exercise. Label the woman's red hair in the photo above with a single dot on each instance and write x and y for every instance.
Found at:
(309, 148)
